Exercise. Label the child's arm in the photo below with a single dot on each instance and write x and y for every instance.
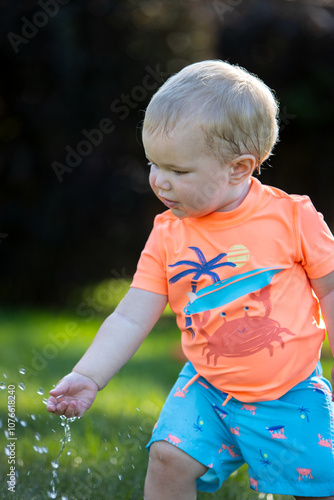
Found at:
(115, 343)
(324, 290)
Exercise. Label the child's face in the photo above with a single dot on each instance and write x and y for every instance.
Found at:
(185, 177)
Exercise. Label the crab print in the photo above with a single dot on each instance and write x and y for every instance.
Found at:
(229, 449)
(277, 432)
(253, 483)
(250, 408)
(242, 336)
(304, 473)
(173, 440)
(180, 393)
(326, 443)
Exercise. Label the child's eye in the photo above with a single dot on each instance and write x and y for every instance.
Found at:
(180, 172)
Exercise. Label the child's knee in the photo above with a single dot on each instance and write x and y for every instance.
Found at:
(167, 459)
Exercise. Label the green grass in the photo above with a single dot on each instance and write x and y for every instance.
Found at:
(106, 457)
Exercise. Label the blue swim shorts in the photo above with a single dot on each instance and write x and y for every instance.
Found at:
(287, 443)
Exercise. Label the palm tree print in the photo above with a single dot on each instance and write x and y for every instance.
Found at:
(203, 267)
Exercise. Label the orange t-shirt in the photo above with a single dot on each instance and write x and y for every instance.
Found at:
(238, 283)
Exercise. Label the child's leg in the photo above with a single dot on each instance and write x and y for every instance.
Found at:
(314, 498)
(171, 473)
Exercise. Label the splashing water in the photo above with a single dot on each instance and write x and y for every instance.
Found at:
(55, 464)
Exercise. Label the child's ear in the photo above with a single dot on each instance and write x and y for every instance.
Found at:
(242, 168)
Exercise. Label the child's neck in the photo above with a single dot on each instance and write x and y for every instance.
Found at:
(240, 193)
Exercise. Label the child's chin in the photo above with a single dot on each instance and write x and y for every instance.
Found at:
(178, 212)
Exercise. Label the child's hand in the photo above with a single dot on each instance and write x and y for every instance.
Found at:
(72, 396)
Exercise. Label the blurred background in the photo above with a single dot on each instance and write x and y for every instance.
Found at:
(76, 207)
(76, 76)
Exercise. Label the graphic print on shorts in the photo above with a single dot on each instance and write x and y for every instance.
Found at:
(277, 431)
(304, 413)
(304, 473)
(230, 449)
(173, 440)
(326, 443)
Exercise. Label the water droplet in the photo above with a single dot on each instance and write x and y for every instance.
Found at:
(2, 386)
(21, 386)
(40, 449)
(138, 409)
(52, 494)
(5, 376)
(22, 371)
(69, 452)
(32, 417)
(44, 400)
(116, 448)
(55, 465)
(37, 436)
(120, 477)
(23, 423)
(40, 391)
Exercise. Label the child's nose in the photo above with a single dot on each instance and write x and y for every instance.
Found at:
(161, 182)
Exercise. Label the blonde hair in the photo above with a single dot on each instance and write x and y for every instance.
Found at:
(237, 112)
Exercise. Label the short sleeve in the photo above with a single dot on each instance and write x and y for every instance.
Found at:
(151, 270)
(316, 240)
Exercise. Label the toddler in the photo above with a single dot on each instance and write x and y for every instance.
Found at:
(246, 268)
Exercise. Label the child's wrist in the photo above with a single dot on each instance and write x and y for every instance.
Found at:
(99, 386)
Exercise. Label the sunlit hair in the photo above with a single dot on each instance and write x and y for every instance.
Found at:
(237, 112)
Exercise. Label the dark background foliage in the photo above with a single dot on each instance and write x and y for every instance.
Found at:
(75, 205)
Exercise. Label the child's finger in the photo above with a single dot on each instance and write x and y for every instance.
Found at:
(50, 406)
(73, 410)
(60, 408)
(60, 389)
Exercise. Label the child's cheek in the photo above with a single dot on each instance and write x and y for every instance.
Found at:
(152, 179)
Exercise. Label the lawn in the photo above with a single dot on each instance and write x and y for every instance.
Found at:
(105, 457)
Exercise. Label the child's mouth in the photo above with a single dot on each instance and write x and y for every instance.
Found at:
(169, 203)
